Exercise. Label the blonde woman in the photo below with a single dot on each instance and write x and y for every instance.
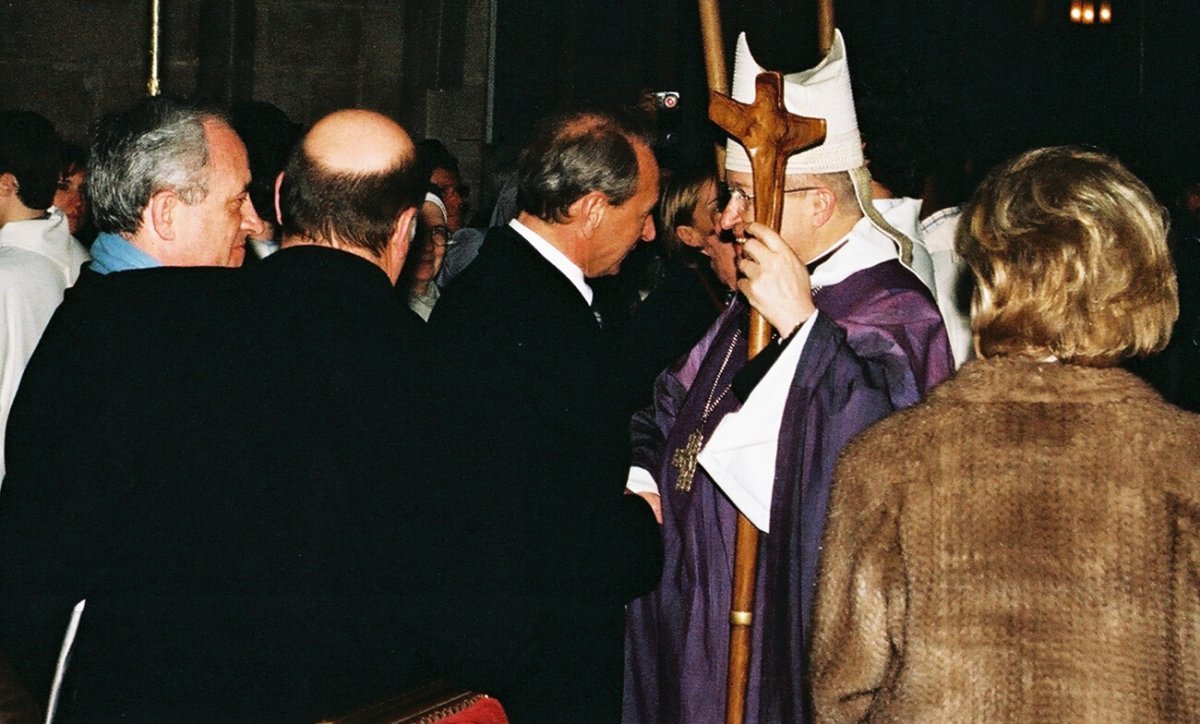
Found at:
(1024, 545)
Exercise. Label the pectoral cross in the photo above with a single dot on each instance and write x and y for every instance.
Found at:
(684, 460)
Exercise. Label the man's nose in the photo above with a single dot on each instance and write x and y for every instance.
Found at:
(730, 216)
(252, 223)
(648, 231)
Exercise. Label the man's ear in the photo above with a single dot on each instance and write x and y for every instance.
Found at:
(278, 184)
(689, 236)
(399, 243)
(824, 206)
(590, 208)
(160, 211)
(8, 184)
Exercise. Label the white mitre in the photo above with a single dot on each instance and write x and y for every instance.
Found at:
(823, 92)
(819, 92)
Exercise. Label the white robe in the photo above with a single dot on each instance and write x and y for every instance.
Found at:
(39, 259)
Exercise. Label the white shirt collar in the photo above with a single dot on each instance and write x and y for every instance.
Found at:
(560, 261)
(864, 247)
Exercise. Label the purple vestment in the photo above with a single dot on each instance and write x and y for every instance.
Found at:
(877, 345)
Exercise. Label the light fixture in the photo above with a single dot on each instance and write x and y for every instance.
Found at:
(1085, 12)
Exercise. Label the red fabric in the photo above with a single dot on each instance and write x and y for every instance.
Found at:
(484, 711)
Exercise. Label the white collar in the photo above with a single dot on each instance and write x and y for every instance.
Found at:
(49, 237)
(560, 261)
(864, 247)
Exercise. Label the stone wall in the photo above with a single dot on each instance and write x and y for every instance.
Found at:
(73, 60)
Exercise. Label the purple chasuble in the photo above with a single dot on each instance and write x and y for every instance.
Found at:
(877, 345)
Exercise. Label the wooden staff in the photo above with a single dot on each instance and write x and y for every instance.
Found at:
(770, 134)
(825, 26)
(714, 59)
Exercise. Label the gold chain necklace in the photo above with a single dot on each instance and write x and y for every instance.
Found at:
(684, 459)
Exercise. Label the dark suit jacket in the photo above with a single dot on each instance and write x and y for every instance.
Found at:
(542, 548)
(200, 454)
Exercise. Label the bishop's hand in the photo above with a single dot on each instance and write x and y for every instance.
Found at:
(773, 279)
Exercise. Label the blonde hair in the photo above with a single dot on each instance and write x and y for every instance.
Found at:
(1070, 258)
(678, 203)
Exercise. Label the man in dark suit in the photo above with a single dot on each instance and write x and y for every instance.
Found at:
(167, 184)
(543, 548)
(348, 358)
(222, 488)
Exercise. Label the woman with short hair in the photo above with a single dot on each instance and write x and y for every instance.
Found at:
(1025, 545)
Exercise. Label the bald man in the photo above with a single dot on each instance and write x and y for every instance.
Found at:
(232, 504)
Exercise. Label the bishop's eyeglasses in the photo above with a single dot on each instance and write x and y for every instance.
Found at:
(727, 194)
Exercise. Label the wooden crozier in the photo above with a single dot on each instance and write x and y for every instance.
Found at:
(770, 134)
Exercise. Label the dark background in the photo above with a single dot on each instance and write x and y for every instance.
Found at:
(987, 77)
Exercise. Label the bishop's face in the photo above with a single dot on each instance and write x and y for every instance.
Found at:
(798, 227)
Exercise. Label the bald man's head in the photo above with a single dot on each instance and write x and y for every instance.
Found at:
(349, 181)
(358, 141)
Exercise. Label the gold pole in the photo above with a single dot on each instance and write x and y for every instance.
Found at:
(714, 50)
(155, 30)
(714, 60)
(825, 26)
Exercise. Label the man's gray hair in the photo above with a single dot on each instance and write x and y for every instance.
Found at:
(156, 145)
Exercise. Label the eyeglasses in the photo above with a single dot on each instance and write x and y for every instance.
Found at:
(727, 194)
(440, 234)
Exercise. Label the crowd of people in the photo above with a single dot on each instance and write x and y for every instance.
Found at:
(284, 434)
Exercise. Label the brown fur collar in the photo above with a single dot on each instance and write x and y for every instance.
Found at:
(1014, 379)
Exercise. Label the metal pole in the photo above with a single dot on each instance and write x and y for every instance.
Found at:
(155, 30)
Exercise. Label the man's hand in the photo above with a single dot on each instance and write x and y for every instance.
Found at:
(654, 501)
(773, 279)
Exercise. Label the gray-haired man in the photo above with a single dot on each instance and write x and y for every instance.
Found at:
(168, 186)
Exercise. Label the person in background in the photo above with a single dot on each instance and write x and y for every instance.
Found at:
(893, 118)
(418, 281)
(689, 218)
(1025, 545)
(269, 136)
(444, 174)
(69, 196)
(38, 257)
(696, 280)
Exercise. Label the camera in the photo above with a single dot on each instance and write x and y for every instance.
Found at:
(667, 100)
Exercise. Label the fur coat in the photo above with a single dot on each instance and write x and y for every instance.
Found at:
(1025, 546)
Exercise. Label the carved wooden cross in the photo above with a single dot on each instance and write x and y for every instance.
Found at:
(770, 134)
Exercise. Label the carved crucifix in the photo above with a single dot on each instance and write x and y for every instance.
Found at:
(770, 135)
